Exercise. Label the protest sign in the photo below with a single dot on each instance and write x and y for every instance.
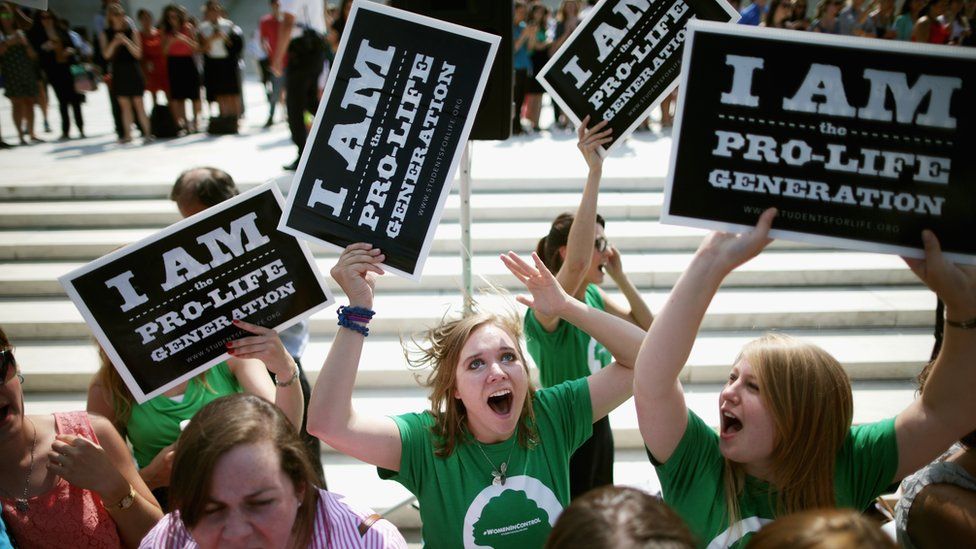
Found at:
(859, 143)
(624, 59)
(162, 307)
(398, 106)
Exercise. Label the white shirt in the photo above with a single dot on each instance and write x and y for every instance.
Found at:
(308, 13)
(218, 48)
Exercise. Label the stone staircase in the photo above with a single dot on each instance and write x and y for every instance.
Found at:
(866, 309)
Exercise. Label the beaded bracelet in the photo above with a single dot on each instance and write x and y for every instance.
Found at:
(355, 318)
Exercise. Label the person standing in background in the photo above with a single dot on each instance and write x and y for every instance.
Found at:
(301, 34)
(268, 42)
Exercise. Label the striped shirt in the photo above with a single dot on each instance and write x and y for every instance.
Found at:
(337, 523)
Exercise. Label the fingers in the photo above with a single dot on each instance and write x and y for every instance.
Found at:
(541, 267)
(527, 301)
(253, 328)
(933, 250)
(766, 221)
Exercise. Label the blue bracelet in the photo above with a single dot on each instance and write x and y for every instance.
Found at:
(357, 313)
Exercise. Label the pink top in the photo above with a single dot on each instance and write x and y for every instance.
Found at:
(65, 516)
(337, 521)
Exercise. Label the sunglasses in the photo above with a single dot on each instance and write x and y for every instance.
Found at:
(601, 244)
(8, 366)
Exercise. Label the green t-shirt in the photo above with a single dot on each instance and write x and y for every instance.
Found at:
(691, 481)
(459, 505)
(155, 424)
(566, 352)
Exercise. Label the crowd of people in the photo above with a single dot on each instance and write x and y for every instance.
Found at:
(539, 33)
(177, 57)
(231, 457)
(495, 460)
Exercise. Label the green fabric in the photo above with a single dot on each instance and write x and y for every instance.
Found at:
(691, 480)
(155, 424)
(903, 27)
(566, 352)
(459, 506)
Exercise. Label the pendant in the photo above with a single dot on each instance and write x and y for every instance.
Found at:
(498, 477)
(22, 506)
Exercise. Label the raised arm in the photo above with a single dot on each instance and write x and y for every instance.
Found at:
(611, 386)
(373, 439)
(263, 352)
(582, 233)
(946, 409)
(661, 411)
(637, 312)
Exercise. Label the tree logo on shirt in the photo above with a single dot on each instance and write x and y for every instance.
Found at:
(597, 356)
(519, 514)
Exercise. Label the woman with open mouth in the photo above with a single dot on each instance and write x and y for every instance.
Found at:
(489, 462)
(67, 477)
(786, 443)
(577, 251)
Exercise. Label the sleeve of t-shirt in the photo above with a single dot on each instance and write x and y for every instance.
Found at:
(414, 444)
(870, 456)
(290, 6)
(695, 458)
(567, 406)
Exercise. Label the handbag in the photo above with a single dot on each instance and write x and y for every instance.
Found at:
(83, 76)
(309, 47)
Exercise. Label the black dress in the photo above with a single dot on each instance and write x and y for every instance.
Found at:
(127, 80)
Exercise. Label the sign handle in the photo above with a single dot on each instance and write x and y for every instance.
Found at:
(465, 169)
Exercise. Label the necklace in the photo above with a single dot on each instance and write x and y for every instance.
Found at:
(498, 473)
(21, 503)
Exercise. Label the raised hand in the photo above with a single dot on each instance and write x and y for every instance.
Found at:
(548, 297)
(729, 250)
(356, 271)
(265, 345)
(86, 465)
(614, 267)
(954, 284)
(590, 141)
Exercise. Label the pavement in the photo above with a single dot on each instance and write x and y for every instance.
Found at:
(257, 153)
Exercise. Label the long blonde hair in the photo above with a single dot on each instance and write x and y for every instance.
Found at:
(808, 395)
(439, 348)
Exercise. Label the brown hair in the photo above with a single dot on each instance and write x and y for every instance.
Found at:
(548, 247)
(822, 529)
(619, 516)
(439, 348)
(808, 395)
(969, 440)
(220, 426)
(207, 185)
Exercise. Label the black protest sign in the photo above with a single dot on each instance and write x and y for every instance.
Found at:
(859, 143)
(624, 59)
(397, 110)
(162, 307)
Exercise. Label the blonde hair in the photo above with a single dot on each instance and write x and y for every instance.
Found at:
(822, 529)
(121, 398)
(439, 348)
(808, 395)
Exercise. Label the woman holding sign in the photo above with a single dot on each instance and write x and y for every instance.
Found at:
(66, 477)
(489, 462)
(785, 442)
(576, 249)
(153, 426)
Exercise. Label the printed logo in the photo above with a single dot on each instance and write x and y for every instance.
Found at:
(519, 514)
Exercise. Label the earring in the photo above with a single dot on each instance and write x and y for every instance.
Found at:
(20, 377)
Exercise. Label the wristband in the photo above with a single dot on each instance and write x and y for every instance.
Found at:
(355, 318)
(965, 324)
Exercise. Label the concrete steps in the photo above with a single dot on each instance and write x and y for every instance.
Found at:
(732, 309)
(646, 270)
